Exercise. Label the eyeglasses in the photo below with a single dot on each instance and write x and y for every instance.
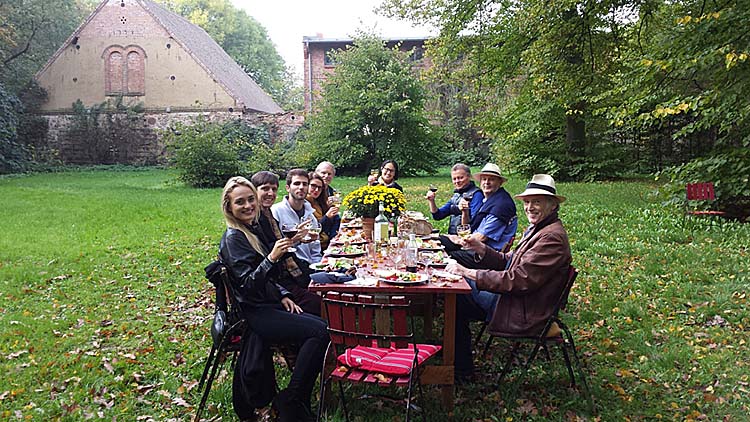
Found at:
(388, 170)
(316, 187)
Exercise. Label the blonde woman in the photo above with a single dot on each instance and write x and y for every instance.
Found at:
(268, 308)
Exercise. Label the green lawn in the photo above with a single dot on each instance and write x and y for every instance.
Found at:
(104, 310)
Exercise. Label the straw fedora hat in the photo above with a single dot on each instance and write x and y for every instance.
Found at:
(541, 184)
(490, 169)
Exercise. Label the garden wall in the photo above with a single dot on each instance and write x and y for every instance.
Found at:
(134, 138)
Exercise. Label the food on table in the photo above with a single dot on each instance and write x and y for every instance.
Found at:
(345, 250)
(351, 236)
(333, 265)
(401, 276)
(428, 244)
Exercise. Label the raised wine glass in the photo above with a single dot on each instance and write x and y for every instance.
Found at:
(289, 231)
(433, 188)
(463, 231)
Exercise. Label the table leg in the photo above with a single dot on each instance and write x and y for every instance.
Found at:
(449, 349)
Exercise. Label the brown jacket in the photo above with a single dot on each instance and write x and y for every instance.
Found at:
(531, 285)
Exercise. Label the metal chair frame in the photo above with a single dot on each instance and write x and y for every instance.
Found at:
(228, 342)
(358, 320)
(540, 340)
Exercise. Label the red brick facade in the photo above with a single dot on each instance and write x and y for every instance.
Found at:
(318, 66)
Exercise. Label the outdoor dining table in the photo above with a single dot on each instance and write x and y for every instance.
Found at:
(433, 374)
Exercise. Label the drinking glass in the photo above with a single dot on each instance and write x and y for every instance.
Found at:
(289, 231)
(433, 188)
(336, 199)
(463, 231)
(315, 232)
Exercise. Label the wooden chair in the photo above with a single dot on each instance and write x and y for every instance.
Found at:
(371, 343)
(555, 332)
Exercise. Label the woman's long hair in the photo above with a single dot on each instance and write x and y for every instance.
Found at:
(232, 221)
(322, 199)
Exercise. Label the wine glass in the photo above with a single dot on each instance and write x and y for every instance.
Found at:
(433, 188)
(336, 199)
(463, 231)
(289, 231)
(313, 233)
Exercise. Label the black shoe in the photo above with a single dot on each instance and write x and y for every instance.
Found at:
(284, 406)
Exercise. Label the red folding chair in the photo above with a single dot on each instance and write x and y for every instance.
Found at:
(371, 343)
(700, 192)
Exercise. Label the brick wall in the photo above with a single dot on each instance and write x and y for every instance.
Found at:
(136, 139)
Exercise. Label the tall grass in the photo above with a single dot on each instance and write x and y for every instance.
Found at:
(104, 310)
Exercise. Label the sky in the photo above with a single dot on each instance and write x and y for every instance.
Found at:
(287, 21)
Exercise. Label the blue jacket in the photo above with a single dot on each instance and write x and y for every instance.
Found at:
(496, 219)
(451, 207)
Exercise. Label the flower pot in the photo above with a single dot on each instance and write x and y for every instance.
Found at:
(368, 226)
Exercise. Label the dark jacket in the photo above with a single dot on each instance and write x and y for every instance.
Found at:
(532, 283)
(451, 207)
(252, 275)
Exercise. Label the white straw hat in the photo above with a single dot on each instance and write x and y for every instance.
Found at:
(490, 169)
(541, 184)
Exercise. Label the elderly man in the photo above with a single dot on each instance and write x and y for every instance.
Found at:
(327, 171)
(495, 222)
(296, 272)
(294, 209)
(517, 289)
(466, 196)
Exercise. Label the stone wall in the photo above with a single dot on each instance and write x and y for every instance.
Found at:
(123, 138)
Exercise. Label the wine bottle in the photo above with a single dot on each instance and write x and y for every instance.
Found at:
(380, 234)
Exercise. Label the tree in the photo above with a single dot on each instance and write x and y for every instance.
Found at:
(31, 31)
(247, 42)
(372, 109)
(534, 70)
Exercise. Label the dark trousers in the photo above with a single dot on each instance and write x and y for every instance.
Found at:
(307, 300)
(277, 326)
(467, 310)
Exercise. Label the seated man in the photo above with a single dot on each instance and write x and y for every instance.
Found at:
(517, 289)
(466, 196)
(294, 209)
(495, 222)
(327, 171)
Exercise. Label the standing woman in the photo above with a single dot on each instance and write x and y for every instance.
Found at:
(327, 215)
(270, 312)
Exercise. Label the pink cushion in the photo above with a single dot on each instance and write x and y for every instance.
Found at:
(399, 361)
(362, 356)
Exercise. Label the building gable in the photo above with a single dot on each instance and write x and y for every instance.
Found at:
(140, 51)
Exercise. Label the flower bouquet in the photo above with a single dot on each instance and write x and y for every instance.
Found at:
(363, 202)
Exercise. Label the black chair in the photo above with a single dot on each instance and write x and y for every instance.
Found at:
(555, 332)
(226, 332)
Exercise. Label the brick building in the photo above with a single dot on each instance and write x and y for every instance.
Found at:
(138, 52)
(318, 64)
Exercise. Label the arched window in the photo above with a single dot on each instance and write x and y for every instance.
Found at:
(114, 74)
(125, 70)
(134, 73)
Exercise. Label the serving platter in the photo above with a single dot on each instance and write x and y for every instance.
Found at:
(401, 278)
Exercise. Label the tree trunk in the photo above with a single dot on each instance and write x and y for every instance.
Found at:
(575, 131)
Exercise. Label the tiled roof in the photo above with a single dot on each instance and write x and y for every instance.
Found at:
(213, 59)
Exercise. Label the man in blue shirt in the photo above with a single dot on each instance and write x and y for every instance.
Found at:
(494, 224)
(466, 194)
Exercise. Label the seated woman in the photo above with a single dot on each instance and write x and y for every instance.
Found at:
(268, 308)
(388, 176)
(327, 215)
(515, 291)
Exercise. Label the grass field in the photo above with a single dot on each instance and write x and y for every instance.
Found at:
(104, 310)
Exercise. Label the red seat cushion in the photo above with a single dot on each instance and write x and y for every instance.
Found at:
(399, 361)
(362, 356)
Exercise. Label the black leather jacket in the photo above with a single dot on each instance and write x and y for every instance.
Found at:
(253, 276)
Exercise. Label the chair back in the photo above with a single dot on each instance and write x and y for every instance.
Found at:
(703, 191)
(362, 320)
(562, 302)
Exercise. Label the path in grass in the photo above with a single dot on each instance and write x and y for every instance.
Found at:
(104, 310)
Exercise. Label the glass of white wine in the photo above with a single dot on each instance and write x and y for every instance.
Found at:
(463, 231)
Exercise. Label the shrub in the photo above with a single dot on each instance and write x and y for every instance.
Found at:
(727, 170)
(14, 158)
